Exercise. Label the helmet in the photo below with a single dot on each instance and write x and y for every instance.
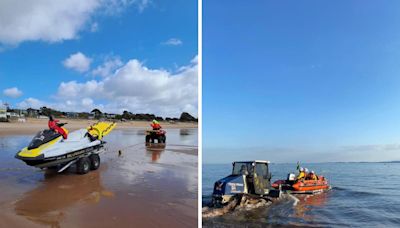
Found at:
(155, 121)
(312, 171)
(306, 170)
(301, 169)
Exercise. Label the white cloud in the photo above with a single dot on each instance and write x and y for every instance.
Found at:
(46, 20)
(73, 89)
(87, 102)
(94, 27)
(136, 88)
(142, 4)
(173, 42)
(132, 87)
(31, 103)
(116, 6)
(83, 105)
(53, 21)
(78, 62)
(13, 92)
(108, 67)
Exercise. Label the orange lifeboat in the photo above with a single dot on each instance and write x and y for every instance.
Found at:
(302, 186)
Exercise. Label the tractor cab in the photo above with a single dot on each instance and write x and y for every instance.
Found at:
(248, 177)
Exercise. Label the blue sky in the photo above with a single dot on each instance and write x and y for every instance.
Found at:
(153, 43)
(301, 80)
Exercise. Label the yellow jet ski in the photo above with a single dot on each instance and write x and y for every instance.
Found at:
(49, 149)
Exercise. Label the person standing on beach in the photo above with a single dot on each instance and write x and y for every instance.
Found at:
(53, 125)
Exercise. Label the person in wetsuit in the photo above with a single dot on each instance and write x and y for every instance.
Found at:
(55, 126)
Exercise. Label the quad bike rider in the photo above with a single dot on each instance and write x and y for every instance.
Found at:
(156, 133)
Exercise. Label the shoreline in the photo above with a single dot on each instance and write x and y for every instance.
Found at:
(31, 126)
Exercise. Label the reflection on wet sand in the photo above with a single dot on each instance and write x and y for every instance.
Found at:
(190, 150)
(155, 151)
(184, 132)
(47, 203)
(148, 188)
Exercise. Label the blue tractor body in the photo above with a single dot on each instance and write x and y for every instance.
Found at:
(249, 177)
(230, 185)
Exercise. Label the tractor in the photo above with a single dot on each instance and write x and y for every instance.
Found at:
(248, 177)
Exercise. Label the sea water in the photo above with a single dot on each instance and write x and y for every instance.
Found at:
(362, 195)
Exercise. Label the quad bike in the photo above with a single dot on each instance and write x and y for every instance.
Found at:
(159, 135)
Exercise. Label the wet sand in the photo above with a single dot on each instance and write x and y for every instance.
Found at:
(32, 125)
(142, 187)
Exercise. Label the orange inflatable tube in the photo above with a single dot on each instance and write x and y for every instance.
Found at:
(303, 185)
(311, 185)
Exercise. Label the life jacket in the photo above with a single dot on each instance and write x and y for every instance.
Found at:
(155, 126)
(312, 177)
(53, 125)
(301, 175)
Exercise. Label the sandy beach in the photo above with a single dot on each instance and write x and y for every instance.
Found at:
(144, 186)
(31, 126)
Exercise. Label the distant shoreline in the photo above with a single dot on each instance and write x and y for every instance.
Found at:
(291, 163)
(32, 125)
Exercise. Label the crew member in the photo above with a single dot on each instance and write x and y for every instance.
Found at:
(243, 170)
(312, 176)
(302, 174)
(155, 125)
(55, 126)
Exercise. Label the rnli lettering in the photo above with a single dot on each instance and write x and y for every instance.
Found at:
(234, 186)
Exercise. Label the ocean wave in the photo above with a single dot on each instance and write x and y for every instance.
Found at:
(367, 197)
(356, 193)
(338, 188)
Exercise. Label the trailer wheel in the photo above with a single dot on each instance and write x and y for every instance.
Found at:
(94, 161)
(83, 165)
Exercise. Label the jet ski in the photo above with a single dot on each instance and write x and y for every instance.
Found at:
(49, 149)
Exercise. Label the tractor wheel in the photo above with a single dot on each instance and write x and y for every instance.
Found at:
(94, 161)
(83, 165)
